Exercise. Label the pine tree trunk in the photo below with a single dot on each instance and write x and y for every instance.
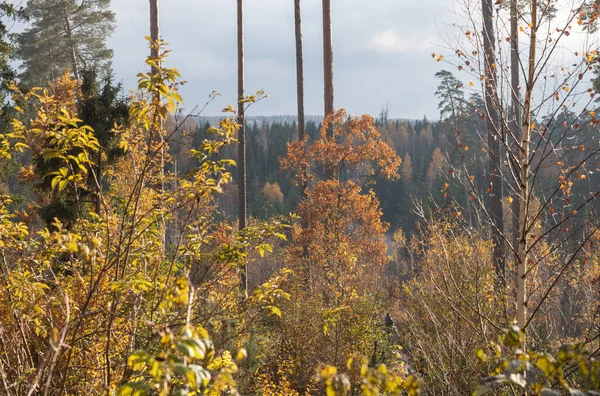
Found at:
(242, 132)
(299, 69)
(155, 36)
(154, 29)
(73, 50)
(524, 188)
(301, 120)
(494, 136)
(328, 60)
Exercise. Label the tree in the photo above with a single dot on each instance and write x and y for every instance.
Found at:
(406, 170)
(64, 35)
(154, 29)
(327, 58)
(450, 95)
(63, 152)
(102, 106)
(299, 68)
(493, 130)
(515, 110)
(525, 195)
(436, 167)
(8, 13)
(339, 255)
(98, 105)
(548, 163)
(241, 131)
(333, 171)
(107, 286)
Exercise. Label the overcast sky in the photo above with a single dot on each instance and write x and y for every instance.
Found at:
(382, 52)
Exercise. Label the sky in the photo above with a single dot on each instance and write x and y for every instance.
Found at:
(382, 52)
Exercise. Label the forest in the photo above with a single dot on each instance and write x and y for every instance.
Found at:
(150, 249)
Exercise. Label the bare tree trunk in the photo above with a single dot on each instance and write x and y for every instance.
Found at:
(524, 177)
(154, 29)
(242, 132)
(515, 121)
(328, 59)
(301, 120)
(155, 36)
(299, 69)
(494, 136)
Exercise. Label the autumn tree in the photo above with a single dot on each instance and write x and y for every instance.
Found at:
(273, 197)
(436, 166)
(64, 35)
(61, 195)
(406, 171)
(339, 255)
(547, 163)
(94, 306)
(334, 198)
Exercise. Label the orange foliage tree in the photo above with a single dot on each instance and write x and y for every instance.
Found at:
(338, 255)
(344, 232)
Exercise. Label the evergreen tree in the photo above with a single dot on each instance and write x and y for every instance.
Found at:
(102, 106)
(450, 94)
(8, 14)
(64, 35)
(99, 105)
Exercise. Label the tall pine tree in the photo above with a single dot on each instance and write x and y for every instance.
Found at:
(64, 35)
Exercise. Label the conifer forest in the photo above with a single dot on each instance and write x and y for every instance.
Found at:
(161, 235)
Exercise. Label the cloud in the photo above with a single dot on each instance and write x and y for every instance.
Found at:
(389, 41)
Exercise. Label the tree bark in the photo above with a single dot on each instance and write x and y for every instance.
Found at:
(328, 60)
(299, 68)
(515, 120)
(301, 121)
(522, 253)
(154, 27)
(69, 33)
(242, 132)
(494, 136)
